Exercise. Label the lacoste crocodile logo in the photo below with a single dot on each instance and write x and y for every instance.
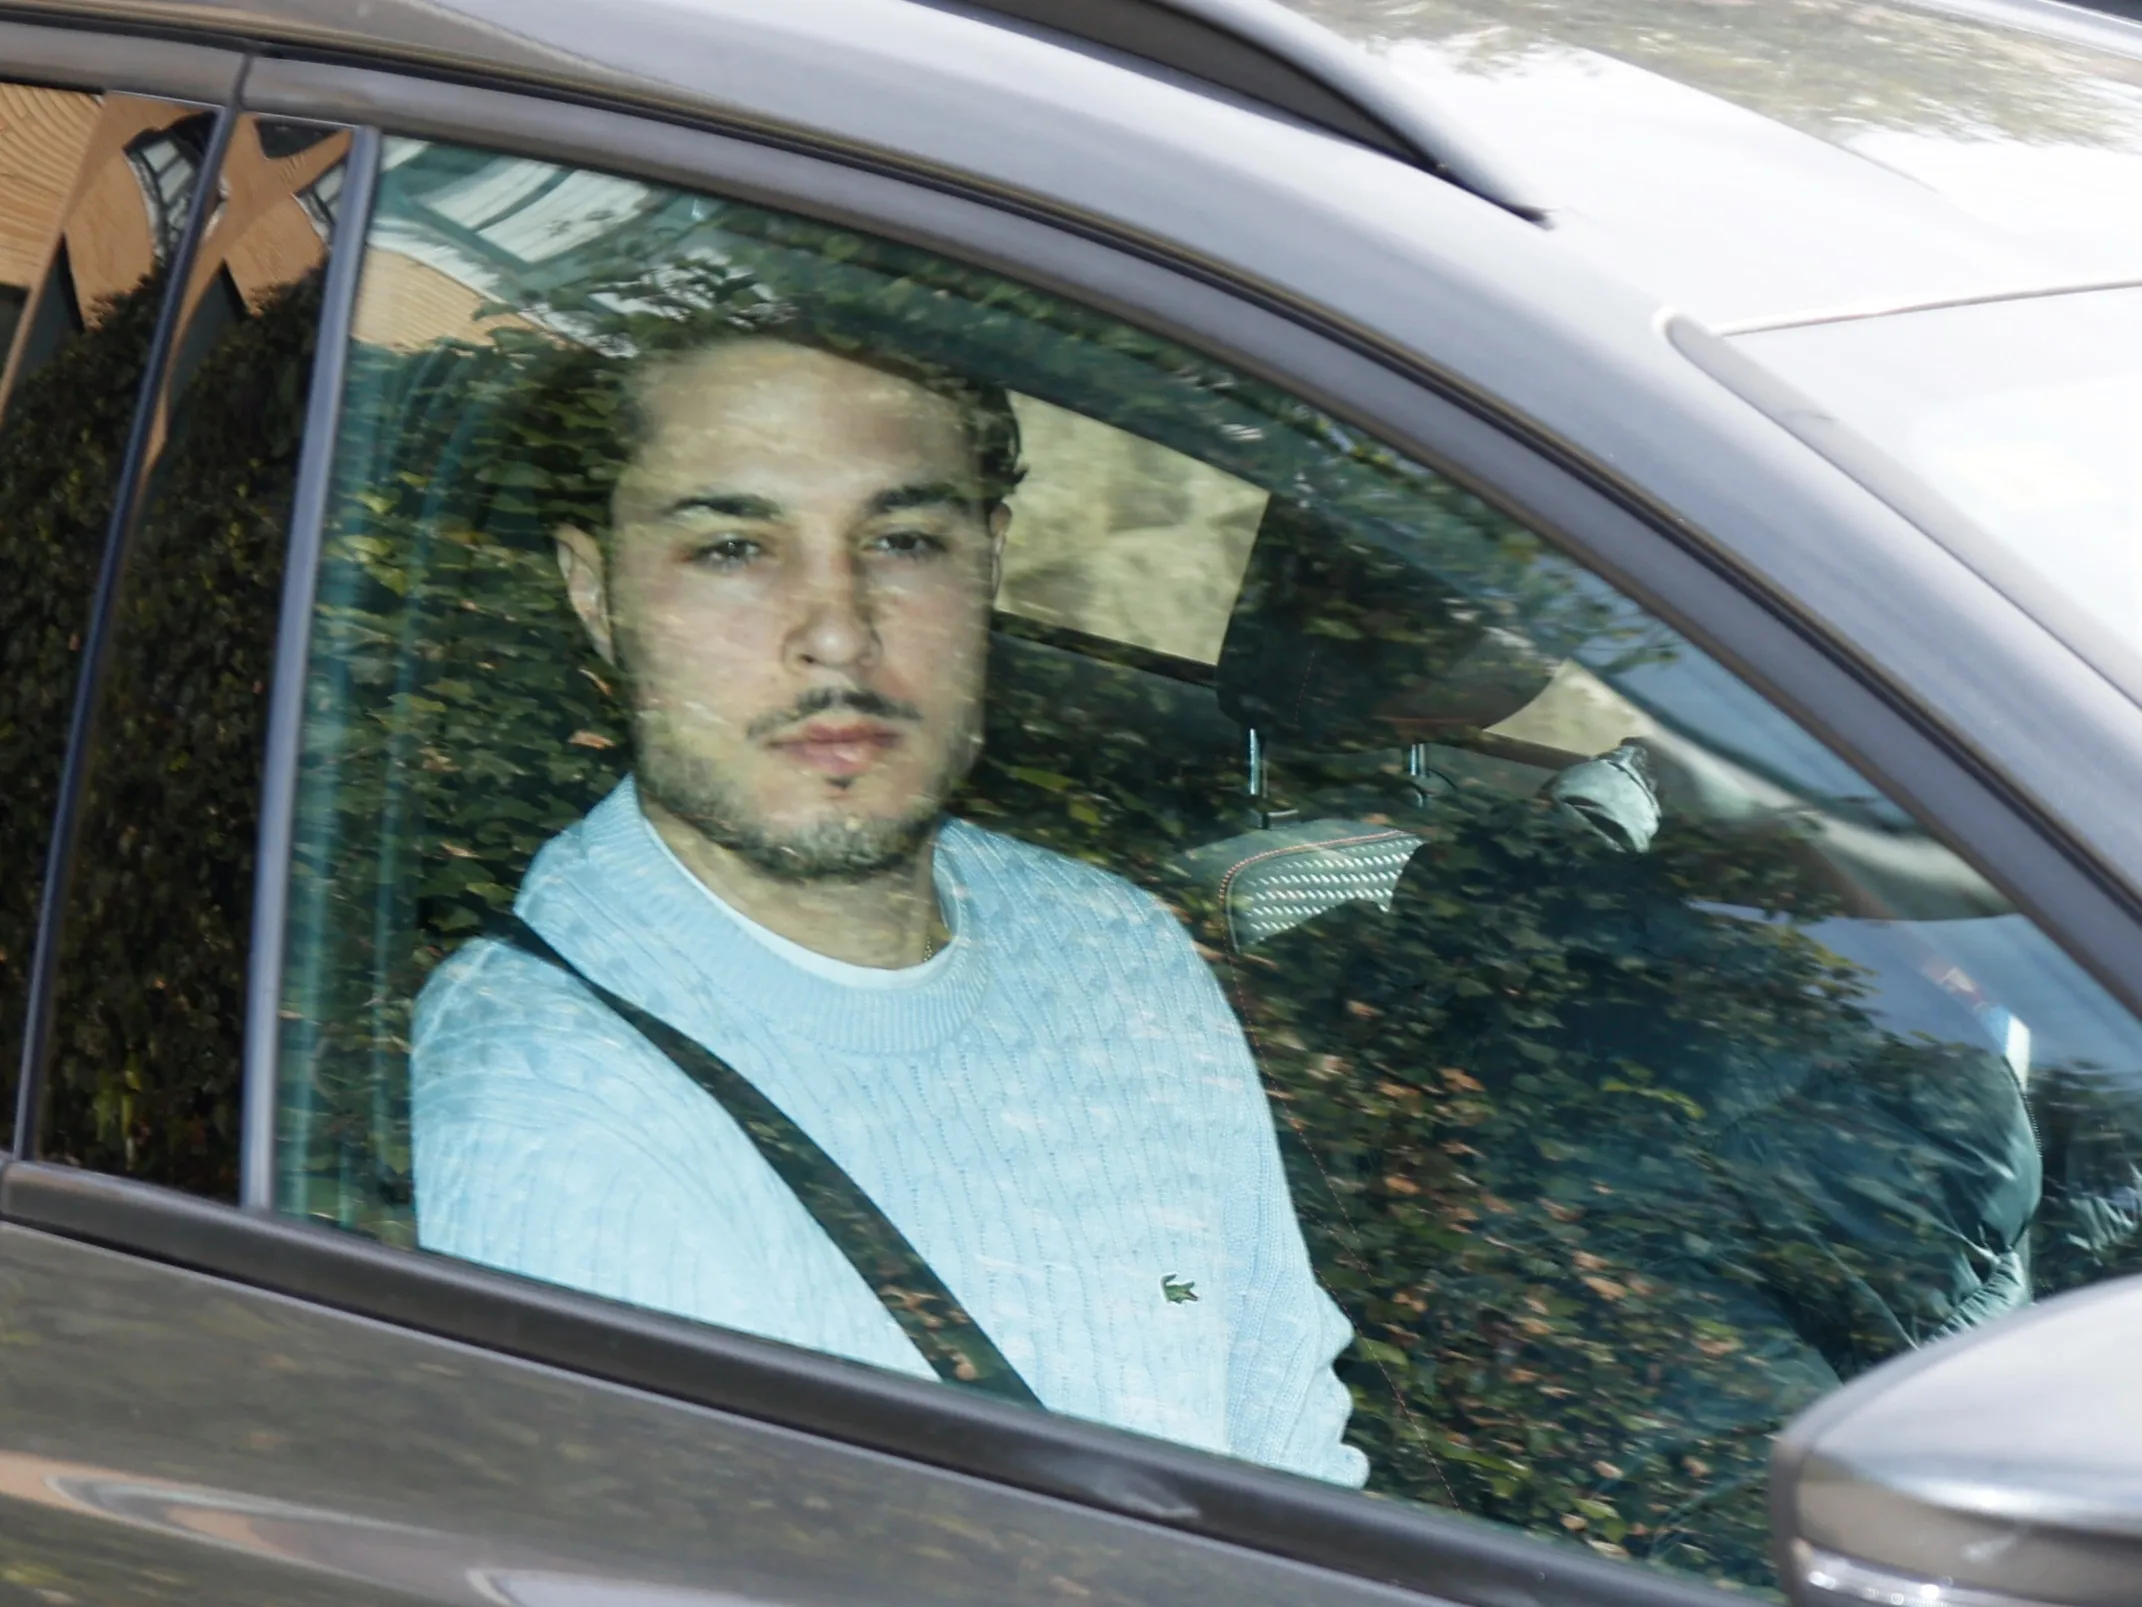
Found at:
(1177, 1289)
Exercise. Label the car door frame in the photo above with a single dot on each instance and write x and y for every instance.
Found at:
(1686, 574)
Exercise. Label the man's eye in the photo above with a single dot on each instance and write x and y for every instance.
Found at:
(726, 552)
(907, 543)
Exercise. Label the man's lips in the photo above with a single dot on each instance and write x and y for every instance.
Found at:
(839, 747)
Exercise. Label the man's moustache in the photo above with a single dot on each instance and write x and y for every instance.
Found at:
(826, 699)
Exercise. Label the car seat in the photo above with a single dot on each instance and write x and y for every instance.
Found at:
(1360, 664)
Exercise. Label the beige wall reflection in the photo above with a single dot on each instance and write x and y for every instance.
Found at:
(1120, 537)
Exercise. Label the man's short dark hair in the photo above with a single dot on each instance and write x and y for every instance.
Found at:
(578, 421)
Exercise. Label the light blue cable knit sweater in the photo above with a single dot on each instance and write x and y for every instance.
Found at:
(1058, 1111)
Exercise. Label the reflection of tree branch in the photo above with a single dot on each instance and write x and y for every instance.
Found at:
(1826, 67)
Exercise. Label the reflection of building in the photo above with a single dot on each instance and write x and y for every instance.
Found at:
(94, 195)
(459, 245)
(166, 163)
(43, 135)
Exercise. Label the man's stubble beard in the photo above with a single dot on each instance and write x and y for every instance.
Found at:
(837, 848)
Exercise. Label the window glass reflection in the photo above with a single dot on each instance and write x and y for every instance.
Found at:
(80, 274)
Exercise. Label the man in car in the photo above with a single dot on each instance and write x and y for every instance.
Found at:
(1020, 1059)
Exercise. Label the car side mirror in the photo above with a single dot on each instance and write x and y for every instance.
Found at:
(2002, 1468)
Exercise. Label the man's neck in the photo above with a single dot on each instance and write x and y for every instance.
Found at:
(887, 921)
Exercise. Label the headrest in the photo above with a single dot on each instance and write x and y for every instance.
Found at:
(1338, 645)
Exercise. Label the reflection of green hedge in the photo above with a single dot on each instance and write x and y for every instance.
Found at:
(145, 1069)
(455, 721)
(1504, 1106)
(60, 444)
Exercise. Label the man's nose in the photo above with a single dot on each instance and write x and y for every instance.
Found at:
(834, 629)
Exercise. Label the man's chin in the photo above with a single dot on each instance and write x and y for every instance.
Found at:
(830, 848)
(852, 859)
(811, 833)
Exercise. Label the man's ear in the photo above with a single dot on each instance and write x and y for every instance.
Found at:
(580, 561)
(999, 526)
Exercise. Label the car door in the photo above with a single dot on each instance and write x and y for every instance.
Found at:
(231, 1365)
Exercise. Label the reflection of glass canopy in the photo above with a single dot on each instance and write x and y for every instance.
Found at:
(321, 199)
(506, 227)
(167, 165)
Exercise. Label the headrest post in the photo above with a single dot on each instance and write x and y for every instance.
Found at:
(1256, 764)
(1417, 769)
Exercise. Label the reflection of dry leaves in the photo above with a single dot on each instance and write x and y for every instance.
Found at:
(591, 739)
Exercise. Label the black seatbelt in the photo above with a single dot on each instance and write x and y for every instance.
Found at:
(928, 1313)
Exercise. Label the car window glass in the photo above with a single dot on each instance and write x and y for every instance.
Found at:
(142, 1076)
(1338, 985)
(84, 179)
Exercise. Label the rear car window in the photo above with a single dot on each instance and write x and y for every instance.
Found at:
(86, 184)
(142, 1074)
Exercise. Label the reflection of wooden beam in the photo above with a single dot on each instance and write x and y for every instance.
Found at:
(408, 305)
(110, 234)
(261, 233)
(43, 135)
(104, 222)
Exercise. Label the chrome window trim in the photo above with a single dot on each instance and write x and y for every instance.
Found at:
(293, 640)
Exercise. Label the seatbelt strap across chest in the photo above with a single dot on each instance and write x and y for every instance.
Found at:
(955, 1345)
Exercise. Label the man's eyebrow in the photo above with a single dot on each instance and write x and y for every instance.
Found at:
(926, 494)
(726, 504)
